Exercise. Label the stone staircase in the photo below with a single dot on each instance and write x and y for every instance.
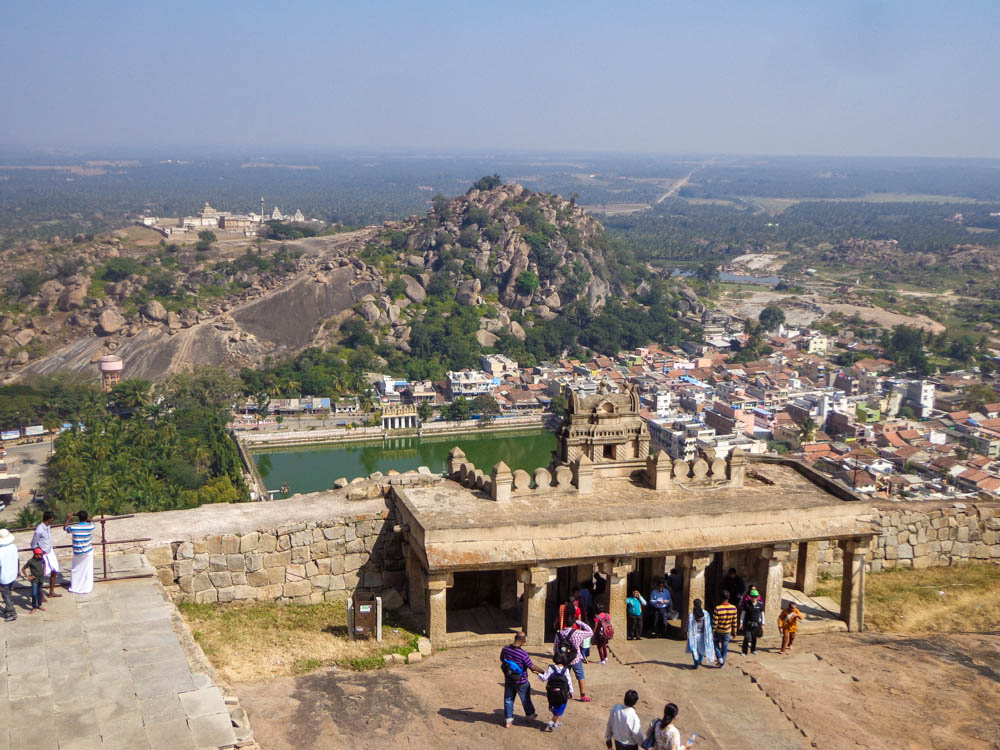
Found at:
(725, 707)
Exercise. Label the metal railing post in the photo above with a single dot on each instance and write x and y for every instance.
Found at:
(104, 547)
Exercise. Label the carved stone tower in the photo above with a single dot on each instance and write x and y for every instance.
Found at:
(607, 429)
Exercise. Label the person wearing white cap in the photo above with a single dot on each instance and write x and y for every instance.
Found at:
(9, 567)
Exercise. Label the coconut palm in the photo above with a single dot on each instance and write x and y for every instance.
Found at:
(807, 430)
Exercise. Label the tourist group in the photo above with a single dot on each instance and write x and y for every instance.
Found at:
(43, 565)
(581, 624)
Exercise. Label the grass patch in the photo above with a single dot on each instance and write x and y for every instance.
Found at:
(933, 600)
(254, 641)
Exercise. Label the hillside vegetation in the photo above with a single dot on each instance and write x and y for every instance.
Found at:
(497, 269)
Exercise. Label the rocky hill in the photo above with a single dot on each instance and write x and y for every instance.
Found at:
(517, 256)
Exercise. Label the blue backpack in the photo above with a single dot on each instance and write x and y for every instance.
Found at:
(512, 671)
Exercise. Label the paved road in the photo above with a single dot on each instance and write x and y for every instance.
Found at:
(673, 190)
(27, 461)
(105, 670)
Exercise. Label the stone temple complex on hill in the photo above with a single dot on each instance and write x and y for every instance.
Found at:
(514, 540)
(210, 218)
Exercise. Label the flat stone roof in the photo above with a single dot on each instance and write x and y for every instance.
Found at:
(458, 528)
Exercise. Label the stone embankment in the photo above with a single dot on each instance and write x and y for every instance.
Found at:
(926, 535)
(342, 435)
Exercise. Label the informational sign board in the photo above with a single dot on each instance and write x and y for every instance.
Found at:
(34, 429)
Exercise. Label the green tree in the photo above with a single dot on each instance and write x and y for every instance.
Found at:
(707, 273)
(468, 237)
(396, 288)
(120, 268)
(24, 284)
(807, 430)
(261, 404)
(771, 317)
(975, 397)
(205, 241)
(130, 395)
(425, 411)
(558, 405)
(489, 182)
(485, 406)
(458, 410)
(526, 283)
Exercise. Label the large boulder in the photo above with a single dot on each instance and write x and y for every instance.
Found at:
(154, 311)
(73, 297)
(551, 300)
(485, 338)
(468, 292)
(110, 322)
(369, 311)
(50, 288)
(24, 337)
(414, 291)
(517, 331)
(543, 312)
(173, 320)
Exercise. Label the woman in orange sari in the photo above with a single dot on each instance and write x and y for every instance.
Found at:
(788, 624)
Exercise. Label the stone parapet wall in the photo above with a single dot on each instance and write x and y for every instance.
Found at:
(298, 563)
(925, 535)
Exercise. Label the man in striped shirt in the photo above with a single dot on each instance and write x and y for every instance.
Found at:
(724, 627)
(82, 575)
(516, 663)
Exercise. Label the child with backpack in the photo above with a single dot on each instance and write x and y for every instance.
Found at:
(569, 642)
(558, 689)
(604, 631)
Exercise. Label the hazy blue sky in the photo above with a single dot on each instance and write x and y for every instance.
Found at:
(906, 77)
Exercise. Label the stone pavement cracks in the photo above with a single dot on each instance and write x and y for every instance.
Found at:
(105, 670)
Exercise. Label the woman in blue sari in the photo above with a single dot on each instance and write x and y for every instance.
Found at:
(700, 644)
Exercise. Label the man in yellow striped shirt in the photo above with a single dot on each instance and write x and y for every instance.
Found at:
(724, 627)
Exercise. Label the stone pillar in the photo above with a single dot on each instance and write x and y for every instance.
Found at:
(805, 567)
(501, 482)
(617, 570)
(535, 581)
(692, 566)
(771, 579)
(852, 591)
(436, 616)
(583, 475)
(658, 471)
(737, 468)
(456, 457)
(415, 579)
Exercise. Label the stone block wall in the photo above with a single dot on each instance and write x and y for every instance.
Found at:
(297, 563)
(925, 535)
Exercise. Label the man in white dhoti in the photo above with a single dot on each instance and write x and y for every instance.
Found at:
(82, 574)
(42, 540)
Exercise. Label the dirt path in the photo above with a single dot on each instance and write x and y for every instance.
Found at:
(837, 691)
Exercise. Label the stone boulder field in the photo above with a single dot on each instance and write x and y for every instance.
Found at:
(515, 255)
